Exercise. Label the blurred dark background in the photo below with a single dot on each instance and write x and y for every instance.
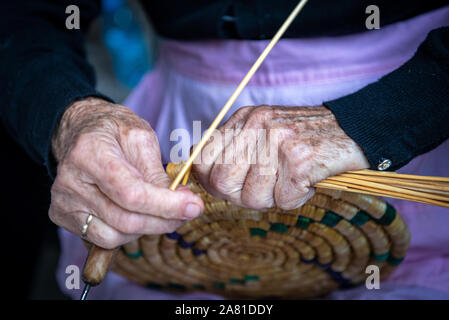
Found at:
(120, 46)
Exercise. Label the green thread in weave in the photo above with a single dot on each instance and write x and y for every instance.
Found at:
(395, 261)
(279, 227)
(258, 232)
(388, 217)
(381, 257)
(360, 218)
(236, 281)
(330, 219)
(251, 277)
(134, 255)
(303, 222)
(219, 285)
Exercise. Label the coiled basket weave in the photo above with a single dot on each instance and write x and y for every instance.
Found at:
(240, 253)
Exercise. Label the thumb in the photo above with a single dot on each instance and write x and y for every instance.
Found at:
(146, 158)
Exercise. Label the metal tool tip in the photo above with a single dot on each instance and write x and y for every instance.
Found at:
(85, 291)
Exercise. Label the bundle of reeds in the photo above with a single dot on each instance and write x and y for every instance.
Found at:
(424, 189)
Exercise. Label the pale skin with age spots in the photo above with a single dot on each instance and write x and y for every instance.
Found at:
(109, 165)
(310, 146)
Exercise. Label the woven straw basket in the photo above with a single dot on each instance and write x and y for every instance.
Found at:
(240, 253)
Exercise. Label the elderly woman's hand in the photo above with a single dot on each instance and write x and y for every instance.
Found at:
(110, 167)
(266, 156)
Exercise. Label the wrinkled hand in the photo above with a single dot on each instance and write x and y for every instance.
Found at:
(307, 146)
(109, 165)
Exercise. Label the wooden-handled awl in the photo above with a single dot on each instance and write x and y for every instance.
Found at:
(96, 267)
(98, 260)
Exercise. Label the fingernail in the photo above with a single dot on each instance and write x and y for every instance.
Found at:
(192, 211)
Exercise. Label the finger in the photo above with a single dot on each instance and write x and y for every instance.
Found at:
(227, 180)
(292, 189)
(123, 184)
(213, 148)
(124, 220)
(258, 189)
(98, 232)
(141, 150)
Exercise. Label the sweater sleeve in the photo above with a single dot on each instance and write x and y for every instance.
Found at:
(44, 69)
(405, 113)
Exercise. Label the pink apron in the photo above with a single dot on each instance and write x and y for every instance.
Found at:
(193, 80)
